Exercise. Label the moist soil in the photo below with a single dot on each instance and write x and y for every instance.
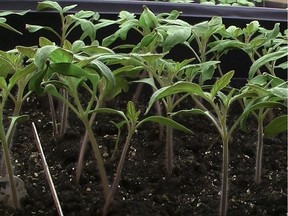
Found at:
(145, 188)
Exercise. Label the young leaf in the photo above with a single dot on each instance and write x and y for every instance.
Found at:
(68, 69)
(176, 35)
(60, 55)
(22, 73)
(280, 92)
(41, 56)
(49, 4)
(276, 126)
(45, 42)
(27, 51)
(147, 19)
(35, 28)
(179, 87)
(282, 52)
(165, 121)
(221, 83)
(69, 7)
(5, 25)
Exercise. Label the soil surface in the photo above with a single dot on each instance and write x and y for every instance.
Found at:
(145, 189)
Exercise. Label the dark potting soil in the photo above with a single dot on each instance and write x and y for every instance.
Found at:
(145, 189)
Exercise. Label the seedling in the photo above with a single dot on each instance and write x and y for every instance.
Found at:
(13, 75)
(131, 120)
(217, 112)
(69, 22)
(270, 92)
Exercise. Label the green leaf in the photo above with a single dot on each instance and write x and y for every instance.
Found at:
(49, 4)
(27, 51)
(176, 35)
(42, 54)
(18, 119)
(220, 46)
(69, 7)
(276, 126)
(147, 19)
(196, 112)
(179, 87)
(251, 28)
(283, 65)
(6, 13)
(61, 55)
(221, 83)
(111, 111)
(280, 92)
(148, 57)
(165, 121)
(68, 69)
(106, 72)
(35, 28)
(6, 26)
(88, 28)
(92, 50)
(77, 46)
(6, 67)
(3, 85)
(234, 31)
(22, 74)
(45, 41)
(257, 105)
(51, 89)
(149, 81)
(270, 57)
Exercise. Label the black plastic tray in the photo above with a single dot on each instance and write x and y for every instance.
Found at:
(187, 9)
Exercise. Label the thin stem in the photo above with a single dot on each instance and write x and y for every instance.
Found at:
(98, 156)
(169, 150)
(118, 172)
(194, 52)
(83, 145)
(225, 169)
(259, 152)
(47, 172)
(85, 140)
(64, 114)
(53, 115)
(8, 163)
(169, 140)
